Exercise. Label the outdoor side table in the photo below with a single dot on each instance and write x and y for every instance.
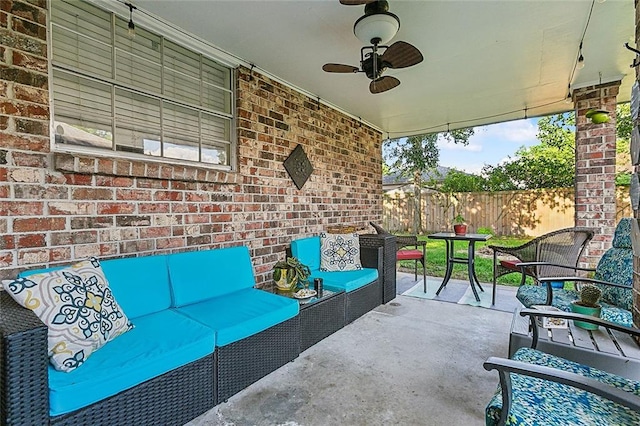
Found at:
(319, 317)
(610, 351)
(450, 238)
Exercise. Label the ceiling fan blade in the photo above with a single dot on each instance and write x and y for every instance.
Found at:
(383, 84)
(339, 68)
(355, 2)
(401, 55)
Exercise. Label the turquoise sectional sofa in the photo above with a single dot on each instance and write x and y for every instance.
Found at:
(202, 332)
(363, 286)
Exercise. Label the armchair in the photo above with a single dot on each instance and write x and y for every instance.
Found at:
(544, 256)
(540, 386)
(613, 274)
(412, 253)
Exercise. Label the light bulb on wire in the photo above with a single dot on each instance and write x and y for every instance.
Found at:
(131, 31)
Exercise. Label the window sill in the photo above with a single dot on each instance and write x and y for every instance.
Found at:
(93, 163)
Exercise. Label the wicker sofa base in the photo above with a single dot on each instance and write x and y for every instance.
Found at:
(362, 300)
(246, 361)
(321, 319)
(173, 398)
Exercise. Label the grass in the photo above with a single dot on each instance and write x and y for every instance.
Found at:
(437, 264)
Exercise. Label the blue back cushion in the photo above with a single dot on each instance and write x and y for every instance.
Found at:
(307, 250)
(139, 284)
(201, 275)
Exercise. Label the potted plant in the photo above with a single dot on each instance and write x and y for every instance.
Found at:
(587, 305)
(459, 225)
(288, 273)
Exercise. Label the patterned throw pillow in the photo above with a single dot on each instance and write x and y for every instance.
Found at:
(78, 308)
(339, 252)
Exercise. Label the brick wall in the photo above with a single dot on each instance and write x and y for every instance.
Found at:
(595, 196)
(56, 208)
(636, 259)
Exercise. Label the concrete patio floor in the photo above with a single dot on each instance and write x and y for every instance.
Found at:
(409, 362)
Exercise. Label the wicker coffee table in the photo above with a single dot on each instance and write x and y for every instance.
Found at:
(320, 317)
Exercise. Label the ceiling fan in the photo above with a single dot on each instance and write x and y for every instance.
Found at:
(378, 26)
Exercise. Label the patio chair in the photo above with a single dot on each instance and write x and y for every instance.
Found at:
(546, 255)
(414, 253)
(613, 275)
(538, 385)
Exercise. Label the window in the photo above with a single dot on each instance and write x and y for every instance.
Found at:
(145, 95)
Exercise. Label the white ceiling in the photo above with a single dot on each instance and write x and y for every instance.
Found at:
(484, 61)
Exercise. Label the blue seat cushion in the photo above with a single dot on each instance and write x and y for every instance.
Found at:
(139, 284)
(200, 275)
(241, 314)
(346, 280)
(542, 402)
(160, 342)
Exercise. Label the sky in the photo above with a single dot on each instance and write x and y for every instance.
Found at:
(489, 145)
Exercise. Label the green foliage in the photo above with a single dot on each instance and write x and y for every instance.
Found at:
(624, 124)
(457, 181)
(623, 178)
(485, 230)
(458, 219)
(418, 154)
(296, 271)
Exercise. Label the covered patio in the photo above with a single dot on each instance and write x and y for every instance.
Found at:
(156, 128)
(412, 361)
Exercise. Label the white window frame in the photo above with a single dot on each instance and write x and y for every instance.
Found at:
(179, 37)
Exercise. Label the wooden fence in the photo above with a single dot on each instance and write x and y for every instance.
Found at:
(526, 213)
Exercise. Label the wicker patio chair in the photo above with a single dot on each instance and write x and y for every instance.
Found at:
(552, 251)
(413, 253)
(613, 275)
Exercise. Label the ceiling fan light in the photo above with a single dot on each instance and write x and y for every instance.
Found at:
(383, 26)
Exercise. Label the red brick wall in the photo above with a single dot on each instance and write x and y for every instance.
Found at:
(595, 198)
(636, 260)
(56, 207)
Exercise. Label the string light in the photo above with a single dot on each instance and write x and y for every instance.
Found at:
(580, 59)
(132, 27)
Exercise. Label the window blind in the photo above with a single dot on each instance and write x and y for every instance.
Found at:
(145, 95)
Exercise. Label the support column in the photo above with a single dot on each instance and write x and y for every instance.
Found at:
(595, 191)
(636, 259)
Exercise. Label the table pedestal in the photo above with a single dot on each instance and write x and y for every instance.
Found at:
(450, 239)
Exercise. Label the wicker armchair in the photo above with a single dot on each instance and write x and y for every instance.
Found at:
(552, 251)
(414, 253)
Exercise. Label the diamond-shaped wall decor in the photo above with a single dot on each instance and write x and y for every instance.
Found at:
(298, 166)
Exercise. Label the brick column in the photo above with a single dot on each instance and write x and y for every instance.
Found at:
(636, 259)
(595, 195)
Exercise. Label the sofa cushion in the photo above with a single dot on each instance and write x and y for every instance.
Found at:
(307, 250)
(339, 252)
(241, 314)
(160, 342)
(78, 308)
(139, 284)
(219, 272)
(346, 280)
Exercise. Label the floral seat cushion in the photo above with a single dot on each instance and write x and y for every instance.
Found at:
(530, 295)
(615, 266)
(542, 402)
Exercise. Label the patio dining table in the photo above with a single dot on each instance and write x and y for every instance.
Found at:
(450, 238)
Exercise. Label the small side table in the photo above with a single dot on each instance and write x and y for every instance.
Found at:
(450, 238)
(319, 317)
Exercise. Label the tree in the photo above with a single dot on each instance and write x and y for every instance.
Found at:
(457, 181)
(551, 164)
(415, 155)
